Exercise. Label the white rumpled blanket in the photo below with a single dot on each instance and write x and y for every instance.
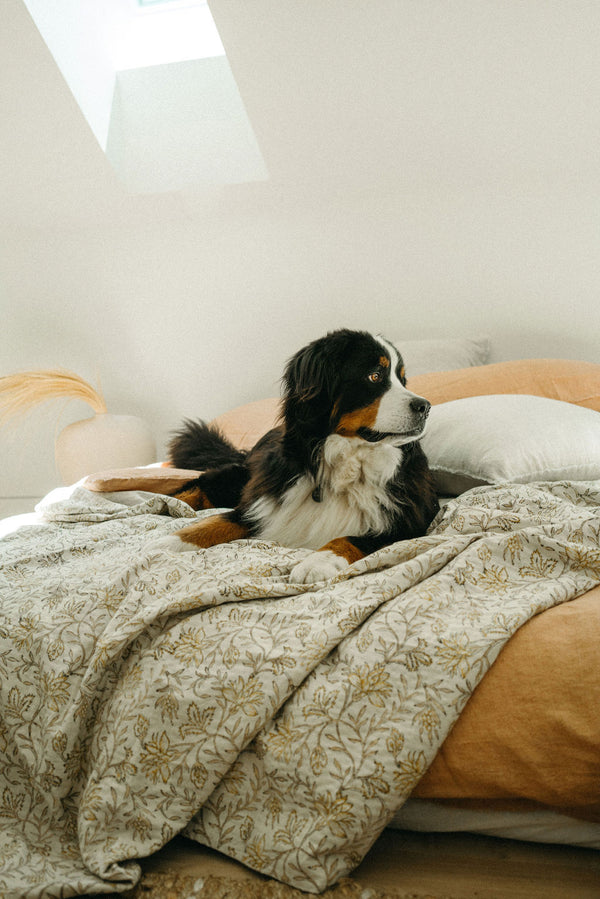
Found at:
(144, 693)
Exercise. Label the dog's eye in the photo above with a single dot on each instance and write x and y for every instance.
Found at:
(375, 376)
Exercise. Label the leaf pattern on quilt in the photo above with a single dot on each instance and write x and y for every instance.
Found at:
(143, 693)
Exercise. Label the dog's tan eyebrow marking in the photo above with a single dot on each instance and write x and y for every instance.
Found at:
(384, 361)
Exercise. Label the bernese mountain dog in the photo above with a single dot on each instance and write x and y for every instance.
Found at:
(343, 473)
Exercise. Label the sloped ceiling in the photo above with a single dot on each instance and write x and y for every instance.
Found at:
(387, 96)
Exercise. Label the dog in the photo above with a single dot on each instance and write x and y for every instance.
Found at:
(342, 474)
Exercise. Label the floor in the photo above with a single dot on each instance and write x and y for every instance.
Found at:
(461, 866)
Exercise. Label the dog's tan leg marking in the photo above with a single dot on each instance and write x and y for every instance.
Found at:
(344, 548)
(211, 531)
(351, 422)
(194, 497)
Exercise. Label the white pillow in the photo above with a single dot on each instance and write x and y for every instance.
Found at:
(442, 354)
(516, 438)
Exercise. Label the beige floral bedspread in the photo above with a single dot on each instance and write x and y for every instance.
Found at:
(144, 693)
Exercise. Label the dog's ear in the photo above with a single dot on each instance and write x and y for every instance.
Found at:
(310, 380)
(309, 374)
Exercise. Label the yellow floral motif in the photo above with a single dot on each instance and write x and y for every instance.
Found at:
(140, 727)
(410, 770)
(273, 807)
(282, 741)
(59, 743)
(418, 657)
(198, 720)
(395, 742)
(23, 631)
(198, 775)
(111, 598)
(494, 578)
(18, 705)
(255, 855)
(375, 783)
(11, 804)
(538, 566)
(125, 768)
(428, 721)
(56, 689)
(157, 757)
(581, 558)
(322, 704)
(334, 813)
(318, 760)
(246, 828)
(455, 653)
(231, 656)
(371, 683)
(55, 649)
(141, 826)
(189, 647)
(168, 705)
(245, 696)
(514, 547)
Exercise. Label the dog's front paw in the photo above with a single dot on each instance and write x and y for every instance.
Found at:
(319, 566)
(172, 544)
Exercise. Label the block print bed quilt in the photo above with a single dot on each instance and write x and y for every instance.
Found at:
(145, 693)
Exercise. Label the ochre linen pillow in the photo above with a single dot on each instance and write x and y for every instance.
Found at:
(246, 424)
(531, 728)
(559, 379)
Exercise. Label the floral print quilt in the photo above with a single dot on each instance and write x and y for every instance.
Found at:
(144, 693)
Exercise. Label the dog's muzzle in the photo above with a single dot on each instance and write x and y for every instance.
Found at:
(416, 421)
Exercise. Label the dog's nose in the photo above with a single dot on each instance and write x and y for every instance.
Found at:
(420, 406)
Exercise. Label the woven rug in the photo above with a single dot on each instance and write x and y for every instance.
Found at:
(185, 886)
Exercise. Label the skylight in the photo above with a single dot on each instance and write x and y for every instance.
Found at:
(162, 31)
(118, 58)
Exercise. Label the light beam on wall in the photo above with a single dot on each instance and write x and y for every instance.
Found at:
(152, 79)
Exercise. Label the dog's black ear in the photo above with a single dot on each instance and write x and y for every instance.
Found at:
(311, 373)
(310, 380)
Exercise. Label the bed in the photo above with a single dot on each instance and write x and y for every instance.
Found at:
(449, 682)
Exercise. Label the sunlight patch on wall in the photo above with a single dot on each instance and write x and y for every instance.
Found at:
(181, 125)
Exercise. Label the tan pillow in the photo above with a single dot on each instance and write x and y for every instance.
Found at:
(246, 424)
(559, 379)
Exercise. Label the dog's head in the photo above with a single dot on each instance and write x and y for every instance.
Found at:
(353, 384)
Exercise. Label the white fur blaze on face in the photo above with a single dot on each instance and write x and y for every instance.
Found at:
(397, 413)
(318, 566)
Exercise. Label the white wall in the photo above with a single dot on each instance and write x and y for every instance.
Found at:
(188, 305)
(190, 320)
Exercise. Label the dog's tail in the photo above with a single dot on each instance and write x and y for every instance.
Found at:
(200, 446)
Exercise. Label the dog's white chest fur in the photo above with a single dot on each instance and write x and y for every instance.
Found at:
(354, 500)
